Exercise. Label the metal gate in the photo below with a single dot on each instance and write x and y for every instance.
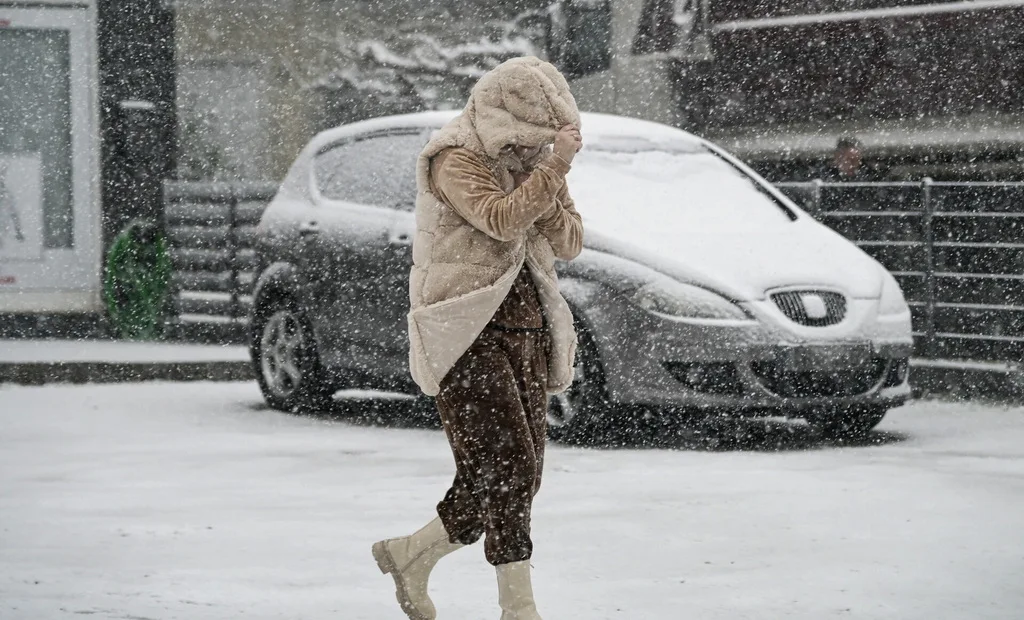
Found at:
(957, 250)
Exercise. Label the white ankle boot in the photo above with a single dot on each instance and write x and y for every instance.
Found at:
(409, 561)
(515, 592)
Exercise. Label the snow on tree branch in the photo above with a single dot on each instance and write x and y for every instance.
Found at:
(409, 71)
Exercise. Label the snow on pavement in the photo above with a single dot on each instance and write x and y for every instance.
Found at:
(164, 501)
(114, 351)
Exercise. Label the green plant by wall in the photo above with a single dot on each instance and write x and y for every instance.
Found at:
(136, 285)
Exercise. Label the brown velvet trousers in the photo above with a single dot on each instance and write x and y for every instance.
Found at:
(493, 405)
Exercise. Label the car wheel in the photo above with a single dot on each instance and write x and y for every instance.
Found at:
(287, 364)
(574, 414)
(850, 423)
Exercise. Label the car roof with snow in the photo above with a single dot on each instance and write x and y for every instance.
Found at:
(296, 184)
(595, 126)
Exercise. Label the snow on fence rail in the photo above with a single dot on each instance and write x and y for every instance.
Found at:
(957, 250)
(211, 228)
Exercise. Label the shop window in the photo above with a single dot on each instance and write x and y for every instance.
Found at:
(35, 142)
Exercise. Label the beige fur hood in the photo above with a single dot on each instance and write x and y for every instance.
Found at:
(523, 101)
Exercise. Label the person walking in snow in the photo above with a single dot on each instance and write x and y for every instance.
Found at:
(491, 336)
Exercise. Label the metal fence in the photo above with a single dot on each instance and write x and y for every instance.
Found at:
(957, 250)
(211, 228)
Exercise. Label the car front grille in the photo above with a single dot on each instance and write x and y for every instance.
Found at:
(793, 306)
(852, 381)
(708, 377)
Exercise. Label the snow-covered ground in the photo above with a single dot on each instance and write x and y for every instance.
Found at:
(193, 501)
(44, 351)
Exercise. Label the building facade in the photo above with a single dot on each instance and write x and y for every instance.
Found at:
(928, 87)
(257, 79)
(86, 135)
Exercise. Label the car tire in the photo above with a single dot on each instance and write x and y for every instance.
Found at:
(579, 414)
(849, 423)
(285, 358)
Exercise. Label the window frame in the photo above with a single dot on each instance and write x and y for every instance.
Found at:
(319, 199)
(67, 279)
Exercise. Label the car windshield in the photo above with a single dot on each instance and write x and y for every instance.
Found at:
(621, 183)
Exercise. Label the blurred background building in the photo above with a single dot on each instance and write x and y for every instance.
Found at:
(926, 87)
(258, 78)
(929, 88)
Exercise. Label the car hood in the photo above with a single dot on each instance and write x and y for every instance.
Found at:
(746, 264)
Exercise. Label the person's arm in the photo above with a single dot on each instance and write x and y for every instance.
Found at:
(470, 188)
(564, 227)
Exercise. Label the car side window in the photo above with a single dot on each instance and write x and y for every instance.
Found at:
(377, 169)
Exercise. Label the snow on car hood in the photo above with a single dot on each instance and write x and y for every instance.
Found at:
(683, 210)
(746, 265)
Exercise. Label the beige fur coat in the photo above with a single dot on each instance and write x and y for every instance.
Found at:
(466, 255)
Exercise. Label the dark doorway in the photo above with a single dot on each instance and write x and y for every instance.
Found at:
(137, 108)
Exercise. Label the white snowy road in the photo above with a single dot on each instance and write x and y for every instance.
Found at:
(191, 501)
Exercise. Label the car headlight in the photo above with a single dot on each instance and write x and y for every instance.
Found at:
(678, 300)
(892, 301)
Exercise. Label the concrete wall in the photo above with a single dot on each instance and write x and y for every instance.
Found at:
(245, 109)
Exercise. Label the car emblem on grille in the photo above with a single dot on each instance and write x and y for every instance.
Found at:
(814, 306)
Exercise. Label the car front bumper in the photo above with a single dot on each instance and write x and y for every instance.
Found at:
(752, 367)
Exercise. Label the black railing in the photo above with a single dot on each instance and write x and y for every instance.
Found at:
(957, 250)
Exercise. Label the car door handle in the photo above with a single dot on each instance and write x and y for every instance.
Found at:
(308, 229)
(400, 239)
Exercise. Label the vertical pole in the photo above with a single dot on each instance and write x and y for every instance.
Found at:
(817, 197)
(233, 249)
(928, 233)
(174, 289)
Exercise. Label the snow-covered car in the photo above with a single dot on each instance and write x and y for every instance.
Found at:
(700, 287)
